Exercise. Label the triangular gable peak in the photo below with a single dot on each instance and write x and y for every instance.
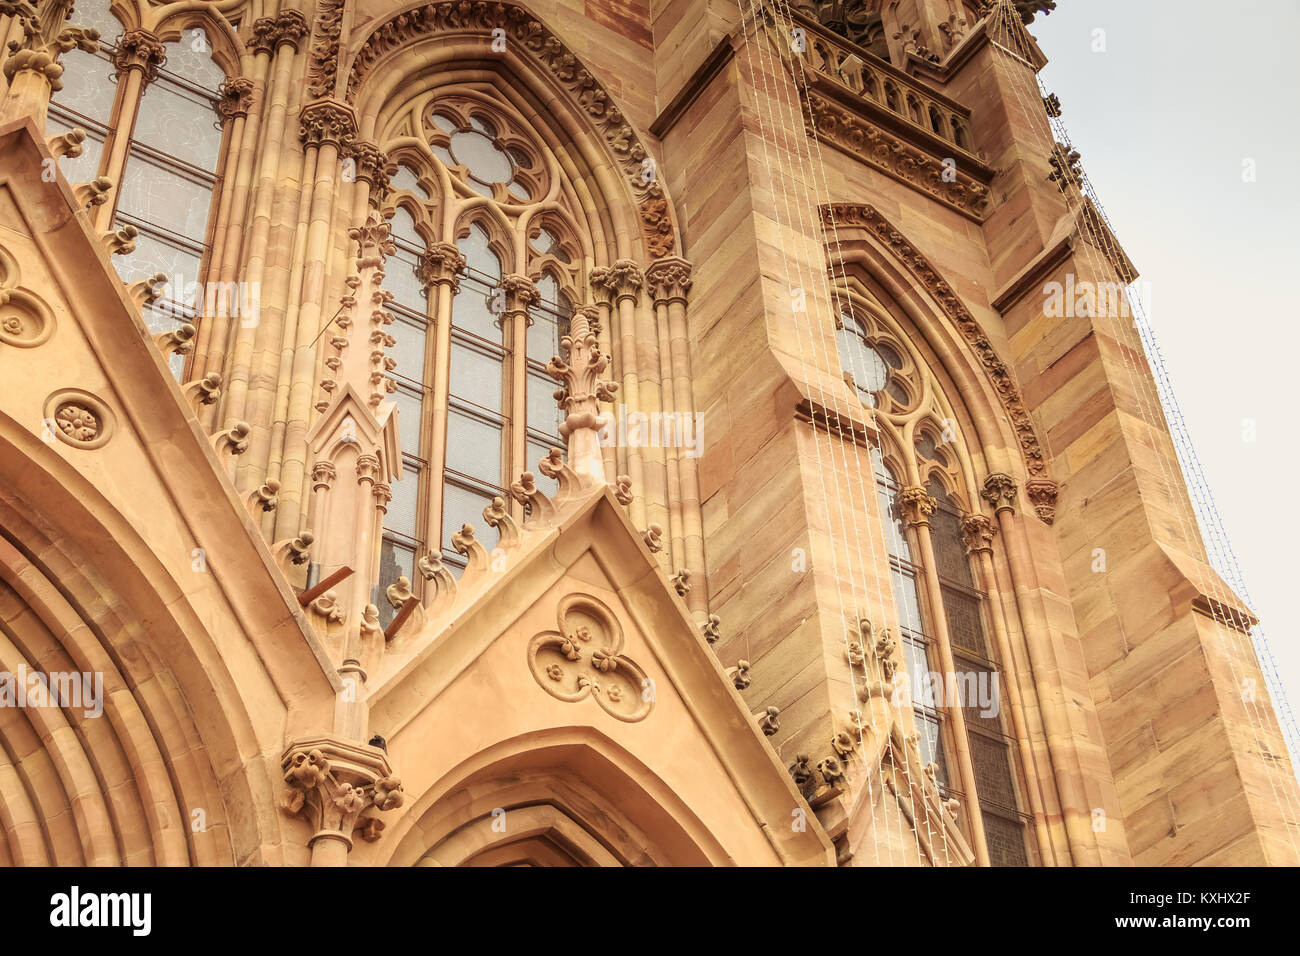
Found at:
(563, 672)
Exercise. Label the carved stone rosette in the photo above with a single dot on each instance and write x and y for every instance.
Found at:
(584, 658)
(332, 782)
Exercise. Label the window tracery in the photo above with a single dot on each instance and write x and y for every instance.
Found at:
(476, 406)
(925, 491)
(150, 112)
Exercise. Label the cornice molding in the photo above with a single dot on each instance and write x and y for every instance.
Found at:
(848, 131)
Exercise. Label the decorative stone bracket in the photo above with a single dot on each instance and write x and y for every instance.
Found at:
(331, 783)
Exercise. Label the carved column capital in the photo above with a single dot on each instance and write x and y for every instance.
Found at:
(271, 33)
(139, 50)
(1000, 492)
(1042, 493)
(622, 280)
(383, 493)
(441, 265)
(332, 782)
(669, 279)
(323, 474)
(326, 122)
(372, 164)
(236, 97)
(917, 505)
(367, 469)
(978, 531)
(519, 296)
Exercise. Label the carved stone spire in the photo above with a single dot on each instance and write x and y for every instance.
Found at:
(579, 394)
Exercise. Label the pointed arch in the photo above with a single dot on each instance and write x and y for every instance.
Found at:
(595, 795)
(433, 44)
(858, 233)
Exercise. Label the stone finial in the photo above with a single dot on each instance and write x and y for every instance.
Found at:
(581, 390)
(541, 510)
(294, 550)
(802, 773)
(399, 592)
(843, 745)
(623, 489)
(120, 242)
(232, 440)
(498, 516)
(67, 145)
(832, 771)
(93, 193)
(328, 607)
(1000, 492)
(147, 291)
(1066, 170)
(440, 584)
(44, 39)
(264, 498)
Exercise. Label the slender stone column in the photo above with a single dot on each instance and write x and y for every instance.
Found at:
(623, 281)
(440, 270)
(978, 531)
(917, 506)
(519, 295)
(1000, 491)
(138, 56)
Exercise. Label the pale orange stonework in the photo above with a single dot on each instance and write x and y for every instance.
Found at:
(646, 653)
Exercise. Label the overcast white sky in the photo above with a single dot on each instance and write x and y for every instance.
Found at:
(1164, 117)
